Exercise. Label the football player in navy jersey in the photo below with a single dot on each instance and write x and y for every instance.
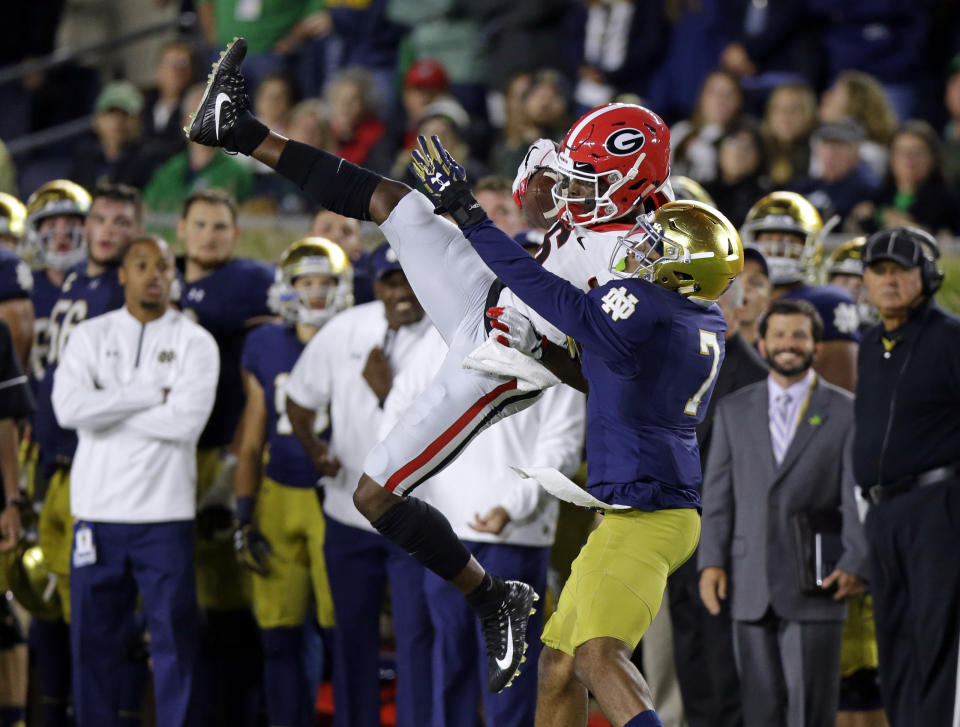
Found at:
(83, 238)
(652, 346)
(227, 296)
(787, 229)
(281, 526)
(16, 280)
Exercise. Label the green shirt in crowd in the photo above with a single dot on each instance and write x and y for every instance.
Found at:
(261, 22)
(172, 182)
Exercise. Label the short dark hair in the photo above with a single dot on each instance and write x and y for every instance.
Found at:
(156, 240)
(792, 307)
(214, 195)
(119, 193)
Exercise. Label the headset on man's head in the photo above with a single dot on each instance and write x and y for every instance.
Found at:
(925, 252)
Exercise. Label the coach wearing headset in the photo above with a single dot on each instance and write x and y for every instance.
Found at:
(907, 462)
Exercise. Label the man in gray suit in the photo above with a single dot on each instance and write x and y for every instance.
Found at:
(780, 448)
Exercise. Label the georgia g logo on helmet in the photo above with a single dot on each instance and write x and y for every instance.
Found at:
(624, 142)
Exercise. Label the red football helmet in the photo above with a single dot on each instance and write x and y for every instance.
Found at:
(613, 159)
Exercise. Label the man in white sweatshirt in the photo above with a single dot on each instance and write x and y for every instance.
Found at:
(138, 385)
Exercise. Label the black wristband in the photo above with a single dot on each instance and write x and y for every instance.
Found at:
(458, 202)
(247, 134)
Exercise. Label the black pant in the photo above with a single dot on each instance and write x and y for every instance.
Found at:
(914, 544)
(703, 651)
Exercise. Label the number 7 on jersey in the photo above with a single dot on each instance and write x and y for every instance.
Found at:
(708, 345)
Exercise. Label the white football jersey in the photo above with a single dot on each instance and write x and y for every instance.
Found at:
(580, 255)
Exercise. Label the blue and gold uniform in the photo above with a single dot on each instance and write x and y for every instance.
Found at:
(841, 317)
(81, 297)
(288, 510)
(15, 278)
(650, 357)
(224, 302)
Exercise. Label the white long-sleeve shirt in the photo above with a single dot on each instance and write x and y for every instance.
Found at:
(329, 373)
(548, 434)
(136, 457)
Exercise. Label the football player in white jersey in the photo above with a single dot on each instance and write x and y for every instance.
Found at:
(612, 163)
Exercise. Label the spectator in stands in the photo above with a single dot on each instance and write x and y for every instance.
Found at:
(951, 132)
(914, 193)
(859, 96)
(112, 152)
(888, 40)
(545, 114)
(195, 168)
(353, 115)
(447, 119)
(842, 180)
(516, 131)
(741, 162)
(694, 141)
(614, 40)
(272, 28)
(310, 123)
(274, 99)
(163, 105)
(424, 82)
(495, 195)
(769, 42)
(345, 231)
(790, 118)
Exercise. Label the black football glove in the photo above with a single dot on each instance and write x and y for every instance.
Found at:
(253, 550)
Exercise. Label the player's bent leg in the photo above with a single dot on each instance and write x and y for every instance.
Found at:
(451, 281)
(561, 697)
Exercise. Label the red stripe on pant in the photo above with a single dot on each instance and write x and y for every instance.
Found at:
(440, 442)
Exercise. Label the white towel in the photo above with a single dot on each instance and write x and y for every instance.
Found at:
(558, 485)
(496, 359)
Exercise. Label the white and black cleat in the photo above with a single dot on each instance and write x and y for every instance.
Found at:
(224, 98)
(505, 632)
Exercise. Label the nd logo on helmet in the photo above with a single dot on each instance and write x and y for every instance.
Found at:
(624, 142)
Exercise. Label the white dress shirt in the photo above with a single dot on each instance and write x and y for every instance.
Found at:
(329, 373)
(136, 460)
(798, 393)
(549, 433)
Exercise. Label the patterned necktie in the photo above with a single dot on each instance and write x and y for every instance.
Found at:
(780, 426)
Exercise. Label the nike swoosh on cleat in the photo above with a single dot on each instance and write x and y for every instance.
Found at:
(221, 97)
(508, 657)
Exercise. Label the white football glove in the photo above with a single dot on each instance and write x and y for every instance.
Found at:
(542, 153)
(514, 330)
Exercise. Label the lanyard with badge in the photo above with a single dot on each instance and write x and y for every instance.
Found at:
(84, 549)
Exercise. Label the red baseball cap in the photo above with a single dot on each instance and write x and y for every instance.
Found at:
(426, 73)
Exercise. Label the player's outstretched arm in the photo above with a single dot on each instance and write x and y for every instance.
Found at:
(223, 119)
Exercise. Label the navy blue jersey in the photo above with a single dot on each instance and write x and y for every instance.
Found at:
(269, 354)
(650, 357)
(44, 296)
(841, 321)
(15, 278)
(81, 297)
(223, 302)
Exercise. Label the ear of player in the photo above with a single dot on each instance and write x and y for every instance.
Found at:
(444, 181)
(515, 330)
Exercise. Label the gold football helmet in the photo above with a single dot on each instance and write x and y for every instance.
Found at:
(60, 197)
(795, 255)
(847, 259)
(30, 581)
(686, 188)
(685, 246)
(13, 217)
(311, 255)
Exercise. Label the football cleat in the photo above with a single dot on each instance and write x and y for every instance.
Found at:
(505, 632)
(224, 98)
